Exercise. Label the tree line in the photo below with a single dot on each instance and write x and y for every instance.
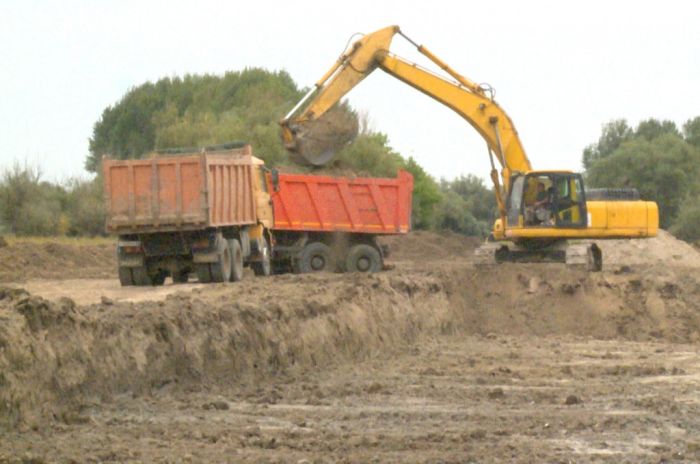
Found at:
(198, 110)
(201, 110)
(657, 158)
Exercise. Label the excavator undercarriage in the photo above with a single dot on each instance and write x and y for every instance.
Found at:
(585, 256)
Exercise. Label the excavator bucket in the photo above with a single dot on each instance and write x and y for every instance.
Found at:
(317, 142)
(316, 133)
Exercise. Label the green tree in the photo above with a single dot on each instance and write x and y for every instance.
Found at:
(196, 111)
(426, 195)
(687, 224)
(369, 154)
(28, 205)
(453, 214)
(652, 128)
(479, 199)
(664, 169)
(691, 132)
(614, 133)
(84, 207)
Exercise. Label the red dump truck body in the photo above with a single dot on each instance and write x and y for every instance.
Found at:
(179, 192)
(342, 204)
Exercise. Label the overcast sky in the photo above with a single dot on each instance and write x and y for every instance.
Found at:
(560, 69)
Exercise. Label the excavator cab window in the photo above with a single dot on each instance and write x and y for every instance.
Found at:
(570, 201)
(549, 200)
(538, 201)
(515, 201)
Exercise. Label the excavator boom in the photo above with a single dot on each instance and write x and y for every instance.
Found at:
(568, 214)
(461, 95)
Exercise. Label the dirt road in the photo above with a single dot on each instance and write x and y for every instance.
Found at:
(434, 361)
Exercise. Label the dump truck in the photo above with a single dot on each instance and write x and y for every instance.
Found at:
(211, 212)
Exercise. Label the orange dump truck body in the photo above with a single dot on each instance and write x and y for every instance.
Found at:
(210, 213)
(179, 192)
(313, 203)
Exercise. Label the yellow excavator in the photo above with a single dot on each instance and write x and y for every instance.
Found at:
(543, 215)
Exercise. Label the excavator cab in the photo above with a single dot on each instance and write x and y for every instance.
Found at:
(546, 199)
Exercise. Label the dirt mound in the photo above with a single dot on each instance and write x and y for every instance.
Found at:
(52, 260)
(57, 356)
(544, 300)
(662, 250)
(420, 246)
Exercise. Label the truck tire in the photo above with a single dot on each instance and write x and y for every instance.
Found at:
(221, 270)
(140, 276)
(363, 258)
(181, 277)
(203, 274)
(125, 277)
(236, 253)
(158, 278)
(262, 267)
(612, 194)
(316, 257)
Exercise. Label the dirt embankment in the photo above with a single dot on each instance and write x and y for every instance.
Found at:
(21, 261)
(57, 358)
(421, 246)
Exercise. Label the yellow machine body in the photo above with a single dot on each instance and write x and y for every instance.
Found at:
(572, 217)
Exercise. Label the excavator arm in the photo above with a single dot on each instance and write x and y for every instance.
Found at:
(463, 96)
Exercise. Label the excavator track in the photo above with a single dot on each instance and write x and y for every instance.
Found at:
(584, 256)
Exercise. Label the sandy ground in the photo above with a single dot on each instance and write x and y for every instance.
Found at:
(91, 291)
(452, 399)
(434, 361)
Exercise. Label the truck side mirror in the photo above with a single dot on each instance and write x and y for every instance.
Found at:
(274, 173)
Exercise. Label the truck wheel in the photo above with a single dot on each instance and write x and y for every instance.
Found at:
(221, 269)
(181, 277)
(262, 267)
(363, 258)
(158, 278)
(140, 276)
(236, 254)
(125, 277)
(203, 274)
(316, 257)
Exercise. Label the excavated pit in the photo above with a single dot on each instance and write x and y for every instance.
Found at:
(58, 357)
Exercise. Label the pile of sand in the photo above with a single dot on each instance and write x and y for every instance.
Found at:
(662, 250)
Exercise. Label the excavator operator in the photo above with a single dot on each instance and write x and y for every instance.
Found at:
(539, 212)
